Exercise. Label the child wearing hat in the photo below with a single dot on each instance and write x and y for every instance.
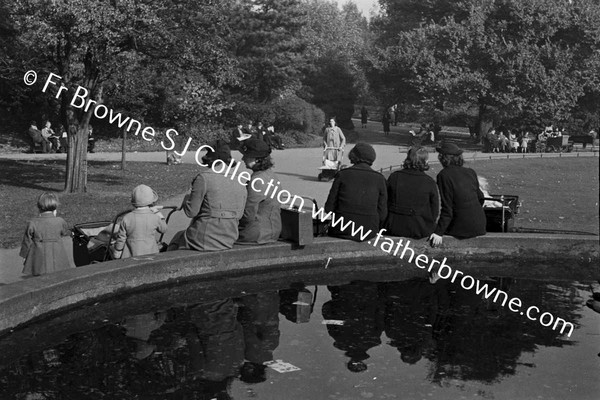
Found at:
(136, 236)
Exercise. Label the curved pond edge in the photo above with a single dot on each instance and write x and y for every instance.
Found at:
(534, 256)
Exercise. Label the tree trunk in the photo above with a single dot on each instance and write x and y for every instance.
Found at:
(484, 120)
(124, 150)
(78, 134)
(76, 176)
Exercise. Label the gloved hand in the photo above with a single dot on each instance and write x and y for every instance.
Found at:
(436, 240)
(115, 254)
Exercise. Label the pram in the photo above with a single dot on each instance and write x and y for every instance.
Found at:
(92, 240)
(330, 167)
(500, 211)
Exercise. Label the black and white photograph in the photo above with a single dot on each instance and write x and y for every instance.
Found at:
(299, 199)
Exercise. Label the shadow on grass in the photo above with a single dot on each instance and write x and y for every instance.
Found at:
(49, 175)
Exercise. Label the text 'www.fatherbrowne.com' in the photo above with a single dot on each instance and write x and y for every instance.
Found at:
(402, 249)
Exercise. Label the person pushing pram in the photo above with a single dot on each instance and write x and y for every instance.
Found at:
(333, 142)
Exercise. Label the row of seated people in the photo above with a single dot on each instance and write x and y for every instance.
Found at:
(224, 212)
(503, 140)
(52, 142)
(268, 135)
(506, 141)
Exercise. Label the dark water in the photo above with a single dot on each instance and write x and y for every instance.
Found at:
(353, 340)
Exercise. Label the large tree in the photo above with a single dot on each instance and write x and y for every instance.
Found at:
(527, 59)
(84, 43)
(267, 43)
(173, 48)
(338, 45)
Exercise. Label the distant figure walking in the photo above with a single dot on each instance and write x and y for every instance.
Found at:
(364, 116)
(386, 123)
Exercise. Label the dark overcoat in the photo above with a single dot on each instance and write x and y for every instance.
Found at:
(413, 204)
(462, 213)
(358, 194)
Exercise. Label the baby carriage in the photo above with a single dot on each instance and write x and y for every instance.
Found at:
(331, 167)
(92, 240)
(500, 212)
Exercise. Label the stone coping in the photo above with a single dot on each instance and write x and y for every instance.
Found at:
(535, 256)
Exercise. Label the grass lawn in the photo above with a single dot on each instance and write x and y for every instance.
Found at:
(556, 193)
(109, 190)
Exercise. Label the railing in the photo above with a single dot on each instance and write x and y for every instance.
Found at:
(500, 156)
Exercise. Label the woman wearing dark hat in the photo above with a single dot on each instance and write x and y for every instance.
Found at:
(215, 204)
(261, 222)
(413, 199)
(358, 194)
(462, 214)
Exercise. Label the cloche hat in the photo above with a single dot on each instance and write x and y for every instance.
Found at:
(363, 152)
(143, 196)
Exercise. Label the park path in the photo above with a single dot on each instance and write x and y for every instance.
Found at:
(297, 170)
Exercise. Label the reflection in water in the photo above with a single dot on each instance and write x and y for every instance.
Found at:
(259, 316)
(199, 351)
(297, 303)
(359, 306)
(416, 313)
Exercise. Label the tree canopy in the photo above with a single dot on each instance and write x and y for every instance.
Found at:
(528, 60)
(200, 66)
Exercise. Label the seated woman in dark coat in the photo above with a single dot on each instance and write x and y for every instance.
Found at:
(462, 214)
(413, 199)
(261, 222)
(358, 194)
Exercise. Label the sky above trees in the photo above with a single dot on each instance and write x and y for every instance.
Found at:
(365, 6)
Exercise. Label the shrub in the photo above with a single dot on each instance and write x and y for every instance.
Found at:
(288, 115)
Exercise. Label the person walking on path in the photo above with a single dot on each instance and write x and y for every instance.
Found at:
(386, 123)
(364, 116)
(334, 141)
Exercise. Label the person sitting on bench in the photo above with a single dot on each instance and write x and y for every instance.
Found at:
(37, 138)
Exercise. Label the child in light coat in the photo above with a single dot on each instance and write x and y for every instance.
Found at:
(43, 246)
(136, 236)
